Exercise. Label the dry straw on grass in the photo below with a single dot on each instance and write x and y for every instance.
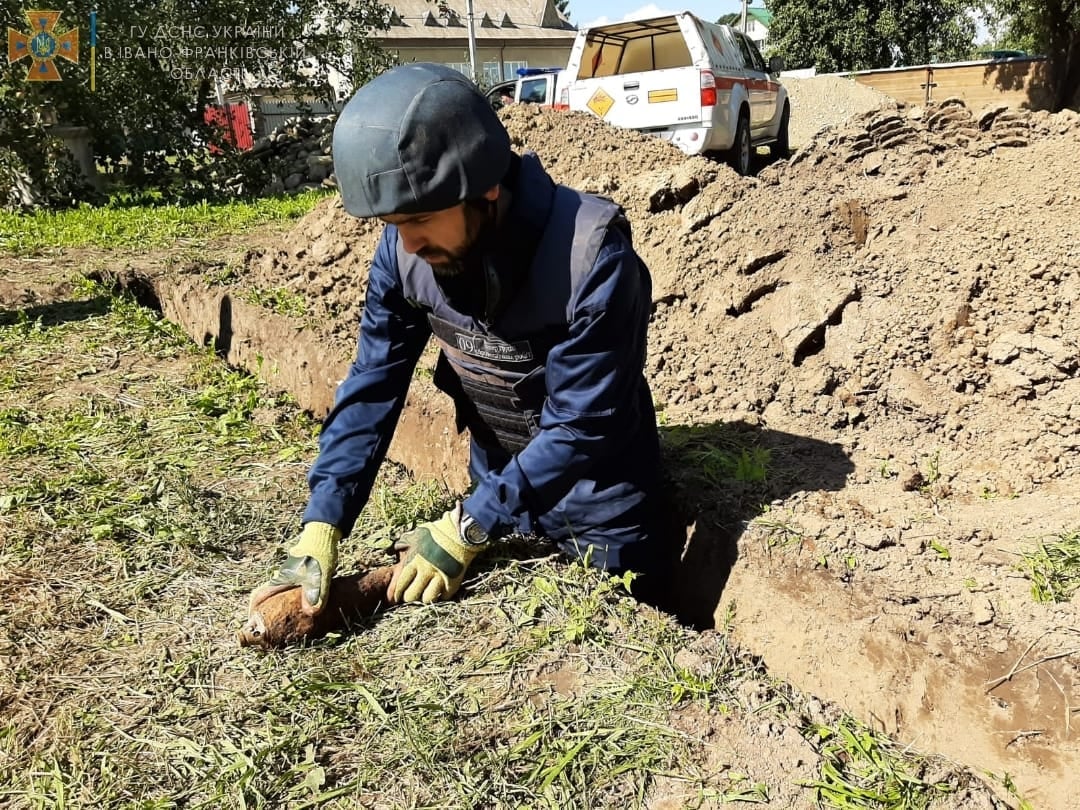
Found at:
(147, 488)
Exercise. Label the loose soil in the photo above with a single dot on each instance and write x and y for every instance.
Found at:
(888, 319)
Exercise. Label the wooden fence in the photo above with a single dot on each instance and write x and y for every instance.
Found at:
(1018, 82)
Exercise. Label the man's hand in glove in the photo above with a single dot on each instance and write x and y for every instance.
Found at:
(436, 561)
(310, 566)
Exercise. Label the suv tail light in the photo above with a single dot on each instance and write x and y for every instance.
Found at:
(564, 99)
(708, 89)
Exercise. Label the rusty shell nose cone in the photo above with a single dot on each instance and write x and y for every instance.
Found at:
(253, 632)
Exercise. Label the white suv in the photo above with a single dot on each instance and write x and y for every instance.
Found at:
(704, 87)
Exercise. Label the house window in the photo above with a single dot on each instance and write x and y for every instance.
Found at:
(489, 73)
(510, 69)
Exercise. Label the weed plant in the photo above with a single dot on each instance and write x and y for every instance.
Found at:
(1054, 568)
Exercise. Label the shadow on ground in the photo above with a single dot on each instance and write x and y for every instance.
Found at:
(54, 314)
(719, 477)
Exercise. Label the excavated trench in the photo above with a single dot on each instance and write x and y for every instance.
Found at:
(905, 676)
(866, 364)
(708, 515)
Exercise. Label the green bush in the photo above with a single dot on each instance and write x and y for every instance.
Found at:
(35, 168)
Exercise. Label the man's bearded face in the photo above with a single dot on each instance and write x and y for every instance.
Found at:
(444, 238)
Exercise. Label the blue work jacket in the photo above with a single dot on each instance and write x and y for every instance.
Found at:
(587, 475)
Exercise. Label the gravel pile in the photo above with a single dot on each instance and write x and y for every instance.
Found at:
(823, 101)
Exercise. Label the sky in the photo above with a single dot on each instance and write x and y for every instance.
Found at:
(585, 13)
(599, 12)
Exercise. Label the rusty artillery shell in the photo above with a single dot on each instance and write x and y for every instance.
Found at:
(279, 621)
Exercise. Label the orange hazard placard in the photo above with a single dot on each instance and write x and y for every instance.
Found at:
(600, 102)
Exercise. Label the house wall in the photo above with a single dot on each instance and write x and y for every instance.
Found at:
(554, 55)
(756, 31)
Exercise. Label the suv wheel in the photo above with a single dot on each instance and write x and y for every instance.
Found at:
(781, 148)
(739, 156)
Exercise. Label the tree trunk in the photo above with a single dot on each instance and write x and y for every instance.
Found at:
(1063, 41)
(1064, 67)
(1068, 92)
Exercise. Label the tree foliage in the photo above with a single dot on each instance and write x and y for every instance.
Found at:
(1048, 27)
(159, 64)
(865, 34)
(35, 168)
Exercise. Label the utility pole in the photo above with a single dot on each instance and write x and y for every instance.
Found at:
(472, 39)
(742, 22)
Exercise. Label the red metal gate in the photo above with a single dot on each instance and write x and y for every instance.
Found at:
(234, 119)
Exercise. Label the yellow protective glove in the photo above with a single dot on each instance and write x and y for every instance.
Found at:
(310, 566)
(436, 561)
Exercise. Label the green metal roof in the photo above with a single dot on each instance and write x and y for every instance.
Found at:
(762, 15)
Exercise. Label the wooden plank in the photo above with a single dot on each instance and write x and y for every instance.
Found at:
(903, 85)
(1017, 83)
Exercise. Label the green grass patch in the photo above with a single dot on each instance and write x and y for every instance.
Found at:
(862, 770)
(718, 463)
(279, 300)
(128, 462)
(1054, 568)
(147, 488)
(125, 226)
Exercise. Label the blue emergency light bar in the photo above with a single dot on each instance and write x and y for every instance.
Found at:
(537, 71)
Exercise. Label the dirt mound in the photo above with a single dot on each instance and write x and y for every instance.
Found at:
(325, 258)
(903, 289)
(822, 101)
(888, 279)
(642, 173)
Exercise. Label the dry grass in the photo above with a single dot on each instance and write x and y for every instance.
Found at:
(146, 489)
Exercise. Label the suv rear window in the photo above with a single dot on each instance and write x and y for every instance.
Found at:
(633, 47)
